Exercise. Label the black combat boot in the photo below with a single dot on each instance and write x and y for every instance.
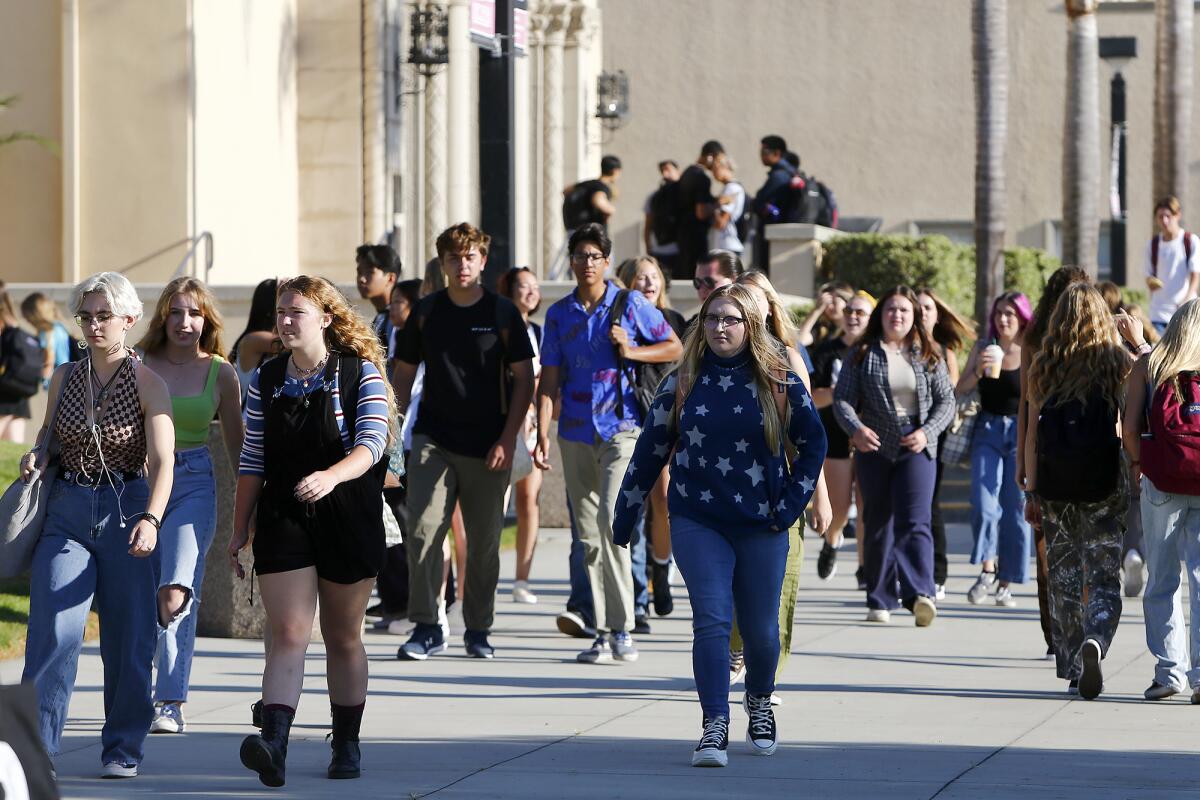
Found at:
(344, 740)
(266, 753)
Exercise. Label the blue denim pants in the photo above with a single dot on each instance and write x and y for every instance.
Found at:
(723, 571)
(637, 562)
(997, 504)
(580, 600)
(83, 554)
(1171, 524)
(187, 533)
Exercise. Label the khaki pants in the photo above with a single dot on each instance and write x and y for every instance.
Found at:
(593, 474)
(437, 479)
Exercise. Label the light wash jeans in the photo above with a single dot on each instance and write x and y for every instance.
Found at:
(83, 554)
(1171, 531)
(187, 533)
(997, 504)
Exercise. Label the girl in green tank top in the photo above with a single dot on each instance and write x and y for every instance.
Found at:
(183, 345)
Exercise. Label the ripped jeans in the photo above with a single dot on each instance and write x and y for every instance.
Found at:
(187, 533)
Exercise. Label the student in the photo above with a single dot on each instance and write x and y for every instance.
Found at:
(377, 271)
(258, 339)
(183, 346)
(470, 340)
(600, 420)
(1161, 389)
(745, 464)
(893, 400)
(57, 345)
(1076, 484)
(311, 474)
(114, 431)
(1003, 539)
(1172, 263)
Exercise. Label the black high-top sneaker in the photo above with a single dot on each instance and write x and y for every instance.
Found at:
(714, 743)
(761, 733)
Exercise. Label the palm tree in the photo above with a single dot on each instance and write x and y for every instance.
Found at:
(1173, 58)
(989, 47)
(1081, 139)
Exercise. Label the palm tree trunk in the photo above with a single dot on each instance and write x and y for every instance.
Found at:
(989, 47)
(1173, 60)
(1081, 140)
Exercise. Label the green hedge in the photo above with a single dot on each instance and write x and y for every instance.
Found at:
(876, 262)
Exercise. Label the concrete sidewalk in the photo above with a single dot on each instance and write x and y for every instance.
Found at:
(965, 709)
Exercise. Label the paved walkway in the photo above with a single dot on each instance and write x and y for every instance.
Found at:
(965, 709)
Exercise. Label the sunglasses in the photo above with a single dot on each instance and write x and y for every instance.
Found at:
(707, 283)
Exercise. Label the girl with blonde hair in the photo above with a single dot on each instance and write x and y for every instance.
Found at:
(312, 472)
(57, 345)
(1075, 483)
(1168, 381)
(183, 345)
(748, 448)
(14, 408)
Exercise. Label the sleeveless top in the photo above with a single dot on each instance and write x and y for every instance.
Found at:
(1001, 396)
(193, 413)
(122, 426)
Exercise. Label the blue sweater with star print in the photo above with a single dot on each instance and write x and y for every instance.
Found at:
(723, 474)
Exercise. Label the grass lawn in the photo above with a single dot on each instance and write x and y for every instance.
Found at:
(14, 594)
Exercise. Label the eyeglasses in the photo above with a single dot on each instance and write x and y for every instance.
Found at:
(587, 258)
(707, 283)
(86, 320)
(717, 322)
(856, 312)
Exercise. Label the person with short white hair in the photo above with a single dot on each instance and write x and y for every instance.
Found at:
(112, 419)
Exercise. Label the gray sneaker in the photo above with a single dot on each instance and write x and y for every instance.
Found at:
(598, 652)
(1004, 597)
(168, 718)
(115, 769)
(623, 648)
(1158, 691)
(983, 585)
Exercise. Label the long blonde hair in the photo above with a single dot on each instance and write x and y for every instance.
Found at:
(347, 331)
(779, 321)
(627, 274)
(7, 317)
(41, 312)
(211, 339)
(1080, 352)
(1178, 350)
(767, 359)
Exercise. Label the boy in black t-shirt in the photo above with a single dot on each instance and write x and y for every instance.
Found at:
(696, 209)
(478, 384)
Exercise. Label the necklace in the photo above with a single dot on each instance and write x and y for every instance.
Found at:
(102, 389)
(185, 362)
(305, 375)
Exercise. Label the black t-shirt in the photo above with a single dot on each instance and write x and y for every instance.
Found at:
(825, 355)
(466, 362)
(694, 187)
(589, 189)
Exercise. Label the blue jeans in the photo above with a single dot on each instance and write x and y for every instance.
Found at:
(898, 540)
(637, 562)
(83, 553)
(723, 571)
(580, 600)
(997, 504)
(187, 533)
(1172, 532)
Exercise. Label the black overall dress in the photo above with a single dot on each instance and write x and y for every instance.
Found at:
(342, 533)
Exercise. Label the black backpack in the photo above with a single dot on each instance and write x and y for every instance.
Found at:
(20, 364)
(645, 382)
(1078, 451)
(664, 213)
(745, 223)
(577, 209)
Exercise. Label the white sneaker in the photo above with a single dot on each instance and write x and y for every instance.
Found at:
(737, 666)
(776, 700)
(1004, 597)
(115, 769)
(981, 588)
(401, 627)
(939, 591)
(521, 593)
(443, 621)
(454, 619)
(1135, 573)
(925, 611)
(879, 615)
(168, 718)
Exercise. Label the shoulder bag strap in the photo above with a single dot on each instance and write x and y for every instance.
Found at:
(51, 438)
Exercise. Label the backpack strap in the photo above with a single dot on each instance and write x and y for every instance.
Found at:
(1154, 255)
(620, 303)
(271, 375)
(503, 331)
(349, 372)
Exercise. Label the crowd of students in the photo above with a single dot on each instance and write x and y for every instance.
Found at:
(698, 443)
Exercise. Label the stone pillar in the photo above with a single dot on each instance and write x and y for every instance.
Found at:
(554, 37)
(225, 607)
(522, 158)
(462, 183)
(436, 171)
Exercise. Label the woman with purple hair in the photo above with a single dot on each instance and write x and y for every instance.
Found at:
(997, 504)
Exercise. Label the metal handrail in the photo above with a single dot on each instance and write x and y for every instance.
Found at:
(193, 242)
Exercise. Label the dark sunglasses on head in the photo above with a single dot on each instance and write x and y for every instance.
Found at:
(707, 283)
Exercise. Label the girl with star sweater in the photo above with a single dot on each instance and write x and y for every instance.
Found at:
(740, 477)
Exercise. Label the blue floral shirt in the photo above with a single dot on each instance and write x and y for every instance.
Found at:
(578, 343)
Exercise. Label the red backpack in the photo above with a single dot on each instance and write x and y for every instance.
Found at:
(1171, 453)
(1187, 253)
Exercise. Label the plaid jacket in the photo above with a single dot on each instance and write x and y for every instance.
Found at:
(864, 397)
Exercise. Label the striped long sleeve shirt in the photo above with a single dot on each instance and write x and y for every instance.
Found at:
(370, 429)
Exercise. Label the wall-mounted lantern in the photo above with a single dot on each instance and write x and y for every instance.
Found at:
(430, 50)
(612, 98)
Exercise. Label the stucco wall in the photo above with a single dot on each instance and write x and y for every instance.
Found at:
(876, 97)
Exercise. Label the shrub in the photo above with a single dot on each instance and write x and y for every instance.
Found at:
(877, 262)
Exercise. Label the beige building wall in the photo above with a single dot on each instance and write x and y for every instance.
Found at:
(879, 105)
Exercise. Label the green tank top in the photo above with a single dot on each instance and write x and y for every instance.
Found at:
(194, 413)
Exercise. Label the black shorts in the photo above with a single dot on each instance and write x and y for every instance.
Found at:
(838, 441)
(343, 538)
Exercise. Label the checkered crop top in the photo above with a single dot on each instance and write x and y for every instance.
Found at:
(122, 429)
